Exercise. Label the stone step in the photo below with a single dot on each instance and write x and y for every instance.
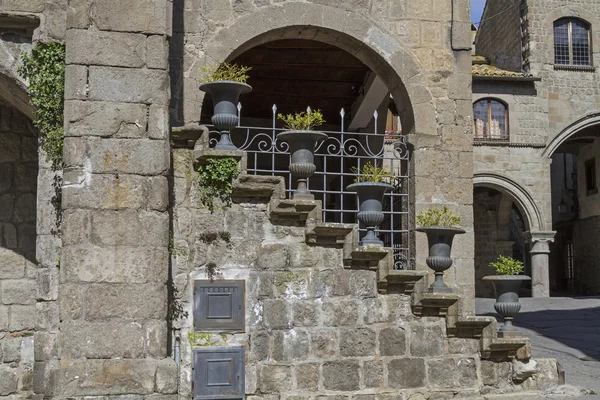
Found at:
(470, 326)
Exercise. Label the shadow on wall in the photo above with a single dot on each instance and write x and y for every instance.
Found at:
(571, 329)
(18, 183)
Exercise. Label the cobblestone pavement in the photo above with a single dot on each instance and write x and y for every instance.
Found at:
(564, 328)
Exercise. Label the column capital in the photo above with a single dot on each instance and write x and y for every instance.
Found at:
(540, 240)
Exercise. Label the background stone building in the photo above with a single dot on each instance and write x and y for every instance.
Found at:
(541, 169)
(106, 308)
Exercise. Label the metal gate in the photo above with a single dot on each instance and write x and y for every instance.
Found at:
(335, 159)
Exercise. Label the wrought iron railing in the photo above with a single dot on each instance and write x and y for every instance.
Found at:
(335, 159)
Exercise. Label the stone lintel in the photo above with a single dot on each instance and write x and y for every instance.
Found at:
(401, 281)
(323, 233)
(435, 304)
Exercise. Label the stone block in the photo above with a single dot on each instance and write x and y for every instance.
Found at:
(341, 375)
(441, 372)
(106, 119)
(406, 373)
(101, 339)
(12, 264)
(44, 346)
(157, 52)
(272, 256)
(121, 228)
(11, 350)
(291, 345)
(4, 317)
(363, 283)
(466, 371)
(18, 291)
(129, 85)
(47, 316)
(329, 283)
(119, 264)
(22, 318)
(276, 378)
(158, 122)
(303, 256)
(307, 377)
(259, 346)
(78, 14)
(76, 82)
(167, 376)
(373, 374)
(156, 338)
(392, 342)
(276, 314)
(106, 377)
(145, 16)
(135, 301)
(8, 380)
(340, 312)
(356, 342)
(304, 313)
(427, 341)
(94, 47)
(292, 284)
(128, 156)
(325, 344)
(9, 147)
(47, 284)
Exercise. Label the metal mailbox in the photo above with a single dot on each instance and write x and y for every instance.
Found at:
(218, 373)
(219, 305)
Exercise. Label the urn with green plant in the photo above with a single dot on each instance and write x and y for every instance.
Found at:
(507, 283)
(371, 184)
(302, 139)
(440, 227)
(225, 84)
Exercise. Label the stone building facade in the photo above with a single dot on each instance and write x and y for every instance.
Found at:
(107, 308)
(551, 94)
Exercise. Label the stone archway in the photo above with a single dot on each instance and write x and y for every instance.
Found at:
(356, 34)
(569, 132)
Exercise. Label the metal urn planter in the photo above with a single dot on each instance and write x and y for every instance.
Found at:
(507, 303)
(225, 96)
(302, 147)
(439, 239)
(370, 208)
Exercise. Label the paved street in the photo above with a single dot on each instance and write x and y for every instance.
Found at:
(564, 328)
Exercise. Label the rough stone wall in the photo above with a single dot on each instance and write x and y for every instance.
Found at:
(114, 259)
(499, 35)
(406, 43)
(589, 204)
(18, 314)
(585, 256)
(570, 94)
(313, 328)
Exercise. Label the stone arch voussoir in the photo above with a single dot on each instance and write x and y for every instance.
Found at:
(522, 197)
(579, 125)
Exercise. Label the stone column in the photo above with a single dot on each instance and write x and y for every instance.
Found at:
(114, 261)
(540, 274)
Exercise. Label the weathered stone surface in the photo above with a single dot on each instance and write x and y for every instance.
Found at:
(22, 318)
(392, 342)
(325, 344)
(466, 369)
(304, 313)
(441, 372)
(307, 376)
(363, 283)
(128, 85)
(102, 339)
(406, 373)
(276, 314)
(157, 52)
(47, 316)
(145, 16)
(8, 380)
(93, 47)
(341, 375)
(340, 312)
(291, 345)
(276, 378)
(76, 82)
(329, 283)
(105, 301)
(259, 346)
(141, 157)
(426, 341)
(47, 284)
(106, 119)
(373, 374)
(12, 264)
(356, 342)
(166, 376)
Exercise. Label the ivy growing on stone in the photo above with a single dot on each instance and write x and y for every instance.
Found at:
(44, 68)
(215, 181)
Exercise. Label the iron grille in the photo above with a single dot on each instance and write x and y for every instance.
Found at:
(336, 159)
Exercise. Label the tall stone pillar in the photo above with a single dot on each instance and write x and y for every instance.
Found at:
(114, 262)
(540, 274)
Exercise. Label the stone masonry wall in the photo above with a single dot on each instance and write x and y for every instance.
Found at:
(407, 43)
(499, 37)
(585, 256)
(18, 315)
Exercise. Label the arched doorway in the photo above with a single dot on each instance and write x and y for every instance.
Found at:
(362, 121)
(575, 206)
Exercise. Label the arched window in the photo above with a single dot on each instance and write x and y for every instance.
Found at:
(571, 42)
(490, 120)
